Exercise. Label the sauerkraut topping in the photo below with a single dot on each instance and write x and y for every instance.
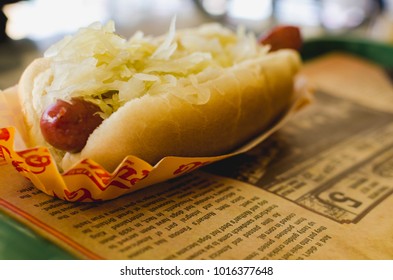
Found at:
(102, 67)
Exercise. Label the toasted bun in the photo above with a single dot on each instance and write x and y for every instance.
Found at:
(25, 90)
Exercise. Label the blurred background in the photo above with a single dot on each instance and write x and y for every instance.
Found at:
(28, 27)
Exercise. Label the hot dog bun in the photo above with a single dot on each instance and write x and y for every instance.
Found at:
(244, 99)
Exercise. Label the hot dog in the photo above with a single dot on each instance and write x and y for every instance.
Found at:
(194, 92)
(282, 37)
(67, 125)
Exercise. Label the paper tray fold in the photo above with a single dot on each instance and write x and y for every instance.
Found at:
(87, 181)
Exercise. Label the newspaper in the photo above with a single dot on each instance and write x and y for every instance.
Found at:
(319, 188)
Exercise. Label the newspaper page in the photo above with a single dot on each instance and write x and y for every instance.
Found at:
(319, 188)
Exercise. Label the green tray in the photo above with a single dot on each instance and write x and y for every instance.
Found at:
(377, 52)
(19, 242)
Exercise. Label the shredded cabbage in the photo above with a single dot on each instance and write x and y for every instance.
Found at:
(100, 66)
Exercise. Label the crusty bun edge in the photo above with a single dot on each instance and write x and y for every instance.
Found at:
(244, 101)
(25, 91)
